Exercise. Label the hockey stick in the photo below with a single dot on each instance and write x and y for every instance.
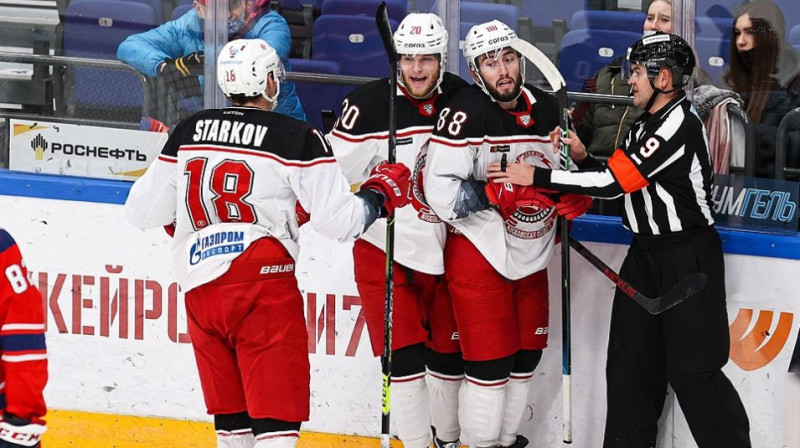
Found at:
(688, 287)
(559, 86)
(385, 29)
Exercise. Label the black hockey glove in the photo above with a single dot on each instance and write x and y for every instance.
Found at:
(182, 73)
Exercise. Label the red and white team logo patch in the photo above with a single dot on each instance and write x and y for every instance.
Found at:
(525, 120)
(530, 223)
(424, 212)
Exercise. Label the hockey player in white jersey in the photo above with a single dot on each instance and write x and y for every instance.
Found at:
(496, 257)
(424, 330)
(229, 179)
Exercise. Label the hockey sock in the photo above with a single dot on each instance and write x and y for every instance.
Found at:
(410, 410)
(443, 392)
(233, 430)
(484, 399)
(271, 433)
(519, 386)
(267, 440)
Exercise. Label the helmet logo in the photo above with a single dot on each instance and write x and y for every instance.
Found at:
(491, 28)
(233, 50)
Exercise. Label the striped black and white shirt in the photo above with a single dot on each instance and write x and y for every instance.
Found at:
(664, 170)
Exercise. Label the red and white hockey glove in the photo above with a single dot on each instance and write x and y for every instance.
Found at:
(16, 432)
(393, 181)
(301, 214)
(571, 205)
(507, 198)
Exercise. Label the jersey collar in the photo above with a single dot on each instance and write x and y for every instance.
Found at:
(522, 113)
(426, 107)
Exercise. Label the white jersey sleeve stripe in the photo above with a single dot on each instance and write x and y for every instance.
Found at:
(669, 204)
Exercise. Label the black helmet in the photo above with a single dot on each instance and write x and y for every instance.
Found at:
(664, 50)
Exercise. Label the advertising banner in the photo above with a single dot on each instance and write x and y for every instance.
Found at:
(76, 150)
(756, 204)
(118, 341)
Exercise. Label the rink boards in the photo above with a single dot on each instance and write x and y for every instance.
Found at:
(122, 371)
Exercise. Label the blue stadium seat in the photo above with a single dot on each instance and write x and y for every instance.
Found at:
(315, 96)
(94, 29)
(180, 10)
(794, 36)
(791, 12)
(713, 27)
(608, 20)
(474, 13)
(155, 4)
(298, 4)
(713, 55)
(543, 13)
(353, 42)
(397, 8)
(584, 52)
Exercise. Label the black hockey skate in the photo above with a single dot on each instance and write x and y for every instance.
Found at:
(521, 442)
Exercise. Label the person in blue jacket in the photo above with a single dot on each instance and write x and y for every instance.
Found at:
(174, 50)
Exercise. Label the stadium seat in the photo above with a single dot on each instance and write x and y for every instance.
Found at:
(397, 8)
(180, 10)
(94, 29)
(713, 55)
(353, 42)
(608, 20)
(584, 52)
(713, 27)
(474, 13)
(300, 15)
(794, 36)
(316, 97)
(543, 13)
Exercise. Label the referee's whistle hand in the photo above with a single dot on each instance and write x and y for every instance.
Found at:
(515, 173)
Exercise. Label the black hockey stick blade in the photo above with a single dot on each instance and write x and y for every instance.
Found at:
(385, 28)
(687, 287)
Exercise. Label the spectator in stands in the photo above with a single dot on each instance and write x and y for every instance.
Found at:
(764, 71)
(602, 126)
(175, 50)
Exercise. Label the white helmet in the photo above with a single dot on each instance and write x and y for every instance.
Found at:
(485, 38)
(244, 65)
(422, 33)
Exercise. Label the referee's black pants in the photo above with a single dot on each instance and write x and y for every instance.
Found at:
(686, 346)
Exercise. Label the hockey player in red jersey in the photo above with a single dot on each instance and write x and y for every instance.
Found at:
(23, 355)
(424, 333)
(229, 179)
(495, 257)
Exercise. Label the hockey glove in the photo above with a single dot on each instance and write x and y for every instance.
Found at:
(183, 73)
(301, 214)
(16, 432)
(393, 182)
(571, 205)
(184, 66)
(507, 198)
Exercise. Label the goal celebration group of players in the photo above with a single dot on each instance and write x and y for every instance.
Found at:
(476, 191)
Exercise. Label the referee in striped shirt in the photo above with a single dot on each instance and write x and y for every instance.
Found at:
(664, 172)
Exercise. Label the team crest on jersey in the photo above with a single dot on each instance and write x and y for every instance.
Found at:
(427, 109)
(530, 223)
(424, 212)
(525, 120)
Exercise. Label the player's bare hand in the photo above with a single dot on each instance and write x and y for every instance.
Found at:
(577, 151)
(515, 173)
